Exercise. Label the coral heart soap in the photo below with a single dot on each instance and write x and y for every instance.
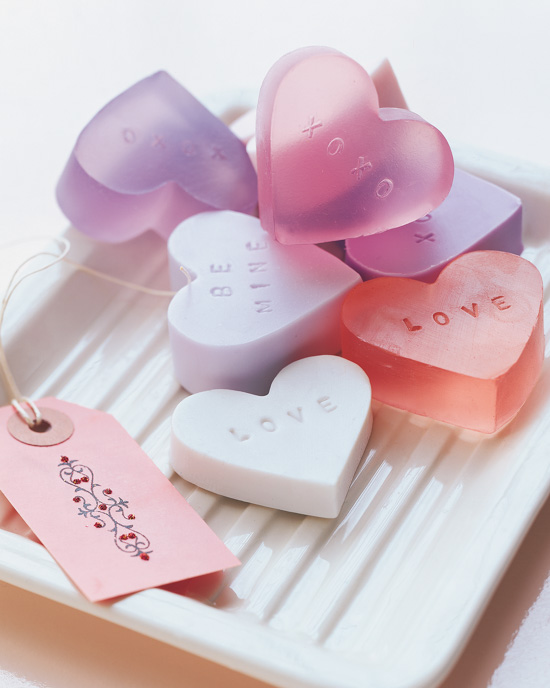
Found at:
(466, 349)
(295, 449)
(331, 164)
(476, 215)
(150, 158)
(254, 305)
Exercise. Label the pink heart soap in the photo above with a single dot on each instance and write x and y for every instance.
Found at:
(383, 78)
(476, 215)
(466, 349)
(253, 307)
(150, 158)
(331, 164)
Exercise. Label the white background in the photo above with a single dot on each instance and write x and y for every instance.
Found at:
(477, 69)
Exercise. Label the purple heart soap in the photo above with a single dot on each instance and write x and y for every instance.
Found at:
(150, 158)
(475, 216)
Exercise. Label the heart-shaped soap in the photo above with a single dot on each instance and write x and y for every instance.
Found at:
(476, 215)
(466, 349)
(295, 449)
(383, 78)
(254, 306)
(150, 158)
(331, 164)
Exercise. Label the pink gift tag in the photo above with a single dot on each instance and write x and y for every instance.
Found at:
(100, 506)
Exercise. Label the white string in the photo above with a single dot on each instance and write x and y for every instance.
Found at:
(5, 371)
(18, 401)
(116, 280)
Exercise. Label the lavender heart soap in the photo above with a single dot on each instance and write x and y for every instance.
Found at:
(475, 216)
(150, 158)
(253, 305)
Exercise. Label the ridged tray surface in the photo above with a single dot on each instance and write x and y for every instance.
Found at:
(384, 595)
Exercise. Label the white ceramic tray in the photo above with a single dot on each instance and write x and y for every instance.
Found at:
(384, 595)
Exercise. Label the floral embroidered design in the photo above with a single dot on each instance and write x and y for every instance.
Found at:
(103, 508)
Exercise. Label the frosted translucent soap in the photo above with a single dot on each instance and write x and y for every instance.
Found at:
(466, 349)
(331, 164)
(150, 158)
(476, 215)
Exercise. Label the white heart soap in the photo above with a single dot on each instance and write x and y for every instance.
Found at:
(295, 449)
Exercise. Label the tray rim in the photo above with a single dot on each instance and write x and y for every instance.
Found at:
(287, 663)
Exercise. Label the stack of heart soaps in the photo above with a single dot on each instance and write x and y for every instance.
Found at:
(447, 322)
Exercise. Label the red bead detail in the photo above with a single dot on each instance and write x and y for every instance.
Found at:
(124, 536)
(76, 499)
(77, 481)
(107, 491)
(64, 459)
(85, 479)
(103, 507)
(130, 517)
(98, 525)
(144, 556)
(132, 536)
